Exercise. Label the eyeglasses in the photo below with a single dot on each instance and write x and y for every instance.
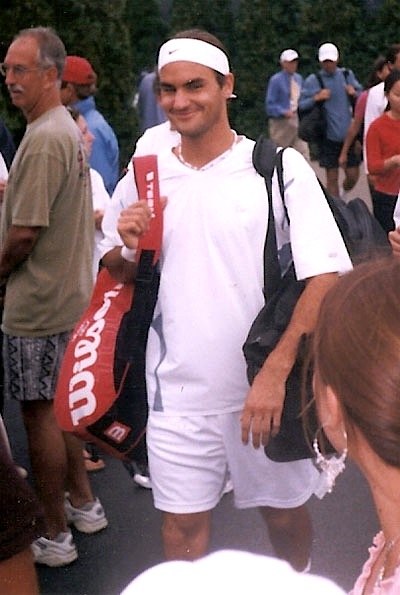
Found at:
(18, 71)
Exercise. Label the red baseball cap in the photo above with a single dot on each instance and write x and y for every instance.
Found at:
(79, 71)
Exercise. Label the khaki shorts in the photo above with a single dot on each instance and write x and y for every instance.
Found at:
(190, 458)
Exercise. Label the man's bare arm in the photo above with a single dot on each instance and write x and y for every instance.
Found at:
(394, 238)
(132, 223)
(122, 270)
(262, 411)
(18, 245)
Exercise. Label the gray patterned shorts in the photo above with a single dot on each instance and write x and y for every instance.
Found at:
(31, 366)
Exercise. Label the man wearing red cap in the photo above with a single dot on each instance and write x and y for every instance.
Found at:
(77, 89)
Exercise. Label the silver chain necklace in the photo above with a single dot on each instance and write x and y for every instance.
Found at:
(211, 163)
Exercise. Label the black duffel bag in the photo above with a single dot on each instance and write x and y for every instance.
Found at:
(312, 124)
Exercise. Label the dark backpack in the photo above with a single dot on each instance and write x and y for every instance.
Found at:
(362, 234)
(312, 124)
(364, 239)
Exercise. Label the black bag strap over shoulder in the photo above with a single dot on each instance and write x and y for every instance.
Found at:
(132, 336)
(319, 79)
(264, 161)
(351, 99)
(321, 84)
(362, 234)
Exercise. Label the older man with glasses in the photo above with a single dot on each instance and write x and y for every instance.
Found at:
(47, 212)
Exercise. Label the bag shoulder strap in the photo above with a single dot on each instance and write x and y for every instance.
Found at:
(149, 247)
(319, 79)
(146, 178)
(264, 161)
(135, 322)
(320, 104)
(281, 183)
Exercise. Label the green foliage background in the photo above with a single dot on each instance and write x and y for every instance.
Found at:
(121, 38)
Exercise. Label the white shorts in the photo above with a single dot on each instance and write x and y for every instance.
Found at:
(190, 458)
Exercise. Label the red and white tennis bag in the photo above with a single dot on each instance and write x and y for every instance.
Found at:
(101, 392)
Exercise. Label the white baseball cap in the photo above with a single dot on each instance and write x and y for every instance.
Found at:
(328, 51)
(288, 56)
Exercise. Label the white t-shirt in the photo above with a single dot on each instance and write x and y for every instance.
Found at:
(3, 169)
(375, 106)
(100, 198)
(156, 139)
(396, 214)
(212, 270)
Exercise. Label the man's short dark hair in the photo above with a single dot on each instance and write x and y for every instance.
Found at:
(392, 52)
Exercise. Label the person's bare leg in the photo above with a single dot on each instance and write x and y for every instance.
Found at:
(351, 179)
(332, 181)
(290, 533)
(18, 575)
(186, 536)
(48, 460)
(77, 480)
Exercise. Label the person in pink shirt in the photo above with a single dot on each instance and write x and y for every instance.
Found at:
(357, 389)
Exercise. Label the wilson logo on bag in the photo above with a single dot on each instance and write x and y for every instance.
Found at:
(101, 391)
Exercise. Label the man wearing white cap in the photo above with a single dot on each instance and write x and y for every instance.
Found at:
(281, 101)
(211, 289)
(340, 89)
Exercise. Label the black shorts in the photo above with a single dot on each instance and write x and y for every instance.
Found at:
(383, 206)
(329, 152)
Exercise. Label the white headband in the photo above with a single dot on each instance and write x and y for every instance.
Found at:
(193, 50)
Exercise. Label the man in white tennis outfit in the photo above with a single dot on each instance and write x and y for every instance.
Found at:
(215, 221)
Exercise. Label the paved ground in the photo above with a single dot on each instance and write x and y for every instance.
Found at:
(360, 189)
(344, 523)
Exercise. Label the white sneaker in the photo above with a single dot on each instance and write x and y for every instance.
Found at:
(54, 552)
(90, 518)
(141, 476)
(139, 473)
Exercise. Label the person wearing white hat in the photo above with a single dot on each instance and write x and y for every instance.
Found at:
(340, 90)
(281, 101)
